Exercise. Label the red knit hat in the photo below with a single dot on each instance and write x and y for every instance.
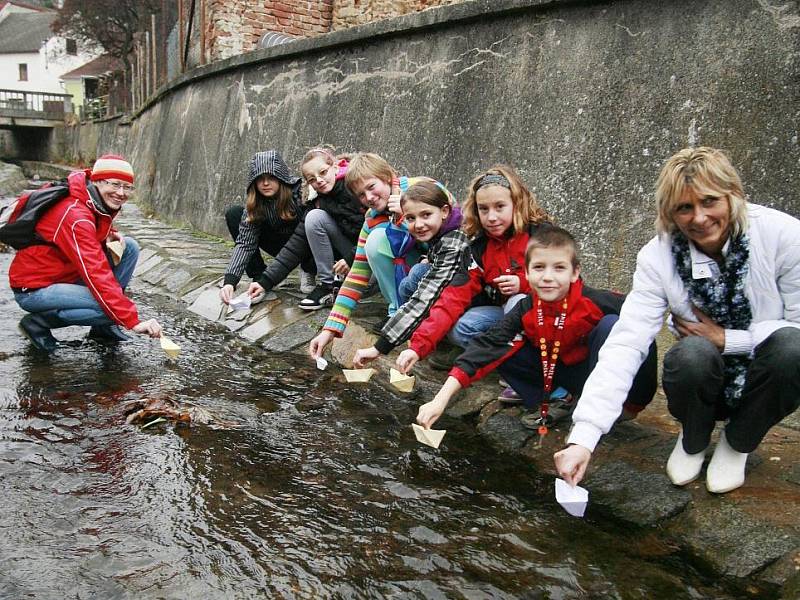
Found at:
(111, 166)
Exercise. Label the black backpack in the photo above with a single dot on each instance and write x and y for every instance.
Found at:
(18, 219)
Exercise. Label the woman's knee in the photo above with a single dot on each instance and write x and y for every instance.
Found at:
(781, 350)
(693, 359)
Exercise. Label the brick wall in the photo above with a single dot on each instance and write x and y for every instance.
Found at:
(235, 26)
(347, 13)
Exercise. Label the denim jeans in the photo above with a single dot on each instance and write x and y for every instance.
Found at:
(523, 371)
(73, 302)
(479, 319)
(411, 281)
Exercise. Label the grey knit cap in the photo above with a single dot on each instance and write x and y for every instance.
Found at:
(270, 163)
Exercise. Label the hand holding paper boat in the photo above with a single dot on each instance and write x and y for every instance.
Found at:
(429, 437)
(241, 302)
(404, 383)
(358, 375)
(171, 348)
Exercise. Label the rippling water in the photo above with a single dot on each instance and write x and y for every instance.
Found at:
(320, 492)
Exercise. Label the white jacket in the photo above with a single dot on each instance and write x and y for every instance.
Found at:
(772, 287)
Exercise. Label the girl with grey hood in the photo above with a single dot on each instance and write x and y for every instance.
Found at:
(267, 220)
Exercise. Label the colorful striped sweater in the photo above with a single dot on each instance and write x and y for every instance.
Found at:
(357, 280)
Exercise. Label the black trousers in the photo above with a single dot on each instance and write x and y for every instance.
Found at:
(693, 382)
(270, 241)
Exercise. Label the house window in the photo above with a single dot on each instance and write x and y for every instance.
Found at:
(23, 72)
(72, 47)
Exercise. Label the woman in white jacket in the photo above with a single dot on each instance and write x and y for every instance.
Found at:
(729, 273)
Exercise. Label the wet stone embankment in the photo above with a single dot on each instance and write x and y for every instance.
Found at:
(750, 536)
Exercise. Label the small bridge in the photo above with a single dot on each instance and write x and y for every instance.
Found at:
(33, 109)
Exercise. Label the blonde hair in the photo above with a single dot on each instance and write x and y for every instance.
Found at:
(526, 207)
(366, 164)
(705, 171)
(256, 203)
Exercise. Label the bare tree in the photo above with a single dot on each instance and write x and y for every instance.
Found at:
(110, 23)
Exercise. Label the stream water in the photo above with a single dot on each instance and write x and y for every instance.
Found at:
(320, 491)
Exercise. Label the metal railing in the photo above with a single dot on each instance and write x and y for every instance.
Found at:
(14, 103)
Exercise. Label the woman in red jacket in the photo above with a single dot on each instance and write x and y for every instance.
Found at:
(68, 279)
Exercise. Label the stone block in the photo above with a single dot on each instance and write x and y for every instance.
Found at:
(208, 304)
(634, 496)
(505, 431)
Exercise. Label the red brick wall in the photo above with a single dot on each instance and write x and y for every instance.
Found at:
(348, 13)
(235, 26)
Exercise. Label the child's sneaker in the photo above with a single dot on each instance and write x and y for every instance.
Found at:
(509, 396)
(307, 282)
(320, 297)
(561, 409)
(443, 358)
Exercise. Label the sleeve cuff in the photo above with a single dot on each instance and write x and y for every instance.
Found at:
(738, 341)
(585, 434)
(383, 345)
(231, 280)
(461, 376)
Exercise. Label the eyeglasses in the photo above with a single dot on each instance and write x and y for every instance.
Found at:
(119, 187)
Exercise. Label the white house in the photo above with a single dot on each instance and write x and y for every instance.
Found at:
(32, 57)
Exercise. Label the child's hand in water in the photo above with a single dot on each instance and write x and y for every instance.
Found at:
(430, 412)
(406, 361)
(507, 284)
(364, 356)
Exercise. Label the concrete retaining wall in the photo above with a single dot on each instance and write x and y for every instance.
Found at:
(586, 99)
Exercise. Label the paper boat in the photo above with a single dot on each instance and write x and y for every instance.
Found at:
(171, 348)
(404, 383)
(573, 499)
(322, 364)
(241, 302)
(116, 247)
(358, 375)
(429, 437)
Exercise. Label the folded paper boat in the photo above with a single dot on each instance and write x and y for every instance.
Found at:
(429, 437)
(404, 383)
(358, 375)
(171, 348)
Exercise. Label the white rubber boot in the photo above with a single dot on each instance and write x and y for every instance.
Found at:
(726, 469)
(683, 468)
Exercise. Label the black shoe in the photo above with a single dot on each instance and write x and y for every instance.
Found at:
(321, 297)
(36, 328)
(108, 333)
(443, 359)
(378, 327)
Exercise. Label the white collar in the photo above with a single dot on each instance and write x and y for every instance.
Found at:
(703, 266)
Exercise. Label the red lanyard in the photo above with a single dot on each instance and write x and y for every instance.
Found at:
(549, 359)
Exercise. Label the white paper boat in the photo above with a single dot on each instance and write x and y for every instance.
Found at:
(429, 437)
(573, 499)
(322, 364)
(171, 348)
(241, 302)
(358, 375)
(116, 247)
(404, 383)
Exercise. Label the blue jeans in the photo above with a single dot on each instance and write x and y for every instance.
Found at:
(411, 281)
(523, 371)
(479, 319)
(73, 303)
